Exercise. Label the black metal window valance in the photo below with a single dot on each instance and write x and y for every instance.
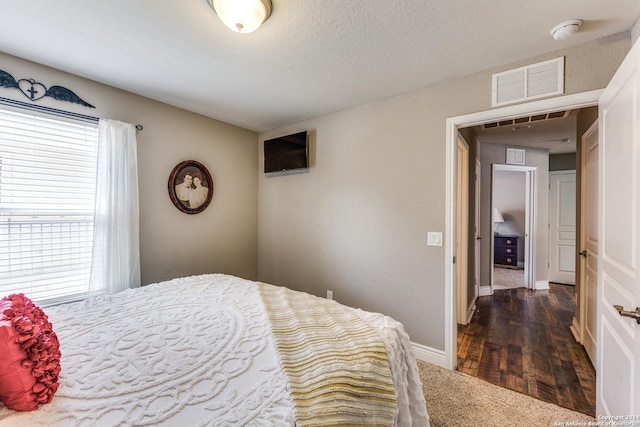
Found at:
(36, 91)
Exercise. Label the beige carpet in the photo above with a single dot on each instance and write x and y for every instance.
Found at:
(507, 278)
(457, 399)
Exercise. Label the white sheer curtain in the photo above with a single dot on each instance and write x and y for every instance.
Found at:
(116, 249)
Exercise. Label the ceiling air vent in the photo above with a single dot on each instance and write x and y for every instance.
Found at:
(530, 82)
(526, 120)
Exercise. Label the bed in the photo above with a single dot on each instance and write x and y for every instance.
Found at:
(202, 351)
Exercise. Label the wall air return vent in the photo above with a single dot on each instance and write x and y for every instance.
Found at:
(515, 156)
(530, 82)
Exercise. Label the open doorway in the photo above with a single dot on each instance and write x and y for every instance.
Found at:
(513, 215)
(518, 332)
(498, 354)
(453, 126)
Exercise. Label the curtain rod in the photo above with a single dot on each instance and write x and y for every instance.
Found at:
(55, 111)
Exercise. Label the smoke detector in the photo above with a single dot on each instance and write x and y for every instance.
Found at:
(565, 29)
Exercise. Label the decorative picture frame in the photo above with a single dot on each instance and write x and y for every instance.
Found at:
(190, 187)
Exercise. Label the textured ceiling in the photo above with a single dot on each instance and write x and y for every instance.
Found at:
(555, 132)
(312, 57)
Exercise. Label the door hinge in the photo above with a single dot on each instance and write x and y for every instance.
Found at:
(454, 259)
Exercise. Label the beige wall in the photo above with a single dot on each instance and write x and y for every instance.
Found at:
(223, 238)
(562, 162)
(357, 223)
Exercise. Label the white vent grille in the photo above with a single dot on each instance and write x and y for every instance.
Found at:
(530, 82)
(515, 156)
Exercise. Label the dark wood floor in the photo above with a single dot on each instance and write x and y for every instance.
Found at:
(520, 339)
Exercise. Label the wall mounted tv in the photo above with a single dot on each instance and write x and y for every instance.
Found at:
(286, 154)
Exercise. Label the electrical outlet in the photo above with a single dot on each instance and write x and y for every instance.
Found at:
(329, 294)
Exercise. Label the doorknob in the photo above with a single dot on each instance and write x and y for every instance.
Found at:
(583, 253)
(632, 314)
(478, 238)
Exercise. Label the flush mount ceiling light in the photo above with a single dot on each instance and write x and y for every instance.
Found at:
(242, 16)
(565, 29)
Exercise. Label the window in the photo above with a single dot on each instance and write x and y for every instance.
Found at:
(47, 196)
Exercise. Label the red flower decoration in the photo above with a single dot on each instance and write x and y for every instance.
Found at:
(35, 336)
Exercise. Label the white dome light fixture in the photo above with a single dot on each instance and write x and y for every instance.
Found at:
(565, 29)
(242, 16)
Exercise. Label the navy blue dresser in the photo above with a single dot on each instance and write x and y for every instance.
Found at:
(505, 251)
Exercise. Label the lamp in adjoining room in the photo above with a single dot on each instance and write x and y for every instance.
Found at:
(497, 219)
(242, 16)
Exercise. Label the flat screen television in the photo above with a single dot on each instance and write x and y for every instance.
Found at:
(286, 154)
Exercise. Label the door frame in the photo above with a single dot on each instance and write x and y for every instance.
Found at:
(574, 101)
(579, 324)
(477, 237)
(530, 217)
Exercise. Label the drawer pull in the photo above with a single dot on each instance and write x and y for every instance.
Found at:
(509, 242)
(509, 260)
(508, 251)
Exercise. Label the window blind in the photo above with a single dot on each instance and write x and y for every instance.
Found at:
(47, 197)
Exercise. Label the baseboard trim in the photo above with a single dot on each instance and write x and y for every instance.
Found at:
(575, 330)
(485, 291)
(471, 310)
(429, 354)
(541, 285)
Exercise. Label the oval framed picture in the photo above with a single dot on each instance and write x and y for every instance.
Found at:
(190, 187)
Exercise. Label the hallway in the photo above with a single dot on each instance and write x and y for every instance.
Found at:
(520, 339)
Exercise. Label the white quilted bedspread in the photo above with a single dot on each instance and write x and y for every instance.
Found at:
(189, 352)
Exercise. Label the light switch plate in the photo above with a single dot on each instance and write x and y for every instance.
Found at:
(434, 238)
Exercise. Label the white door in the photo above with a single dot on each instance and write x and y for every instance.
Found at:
(589, 252)
(562, 227)
(618, 359)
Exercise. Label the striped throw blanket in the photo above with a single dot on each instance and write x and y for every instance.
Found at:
(336, 365)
